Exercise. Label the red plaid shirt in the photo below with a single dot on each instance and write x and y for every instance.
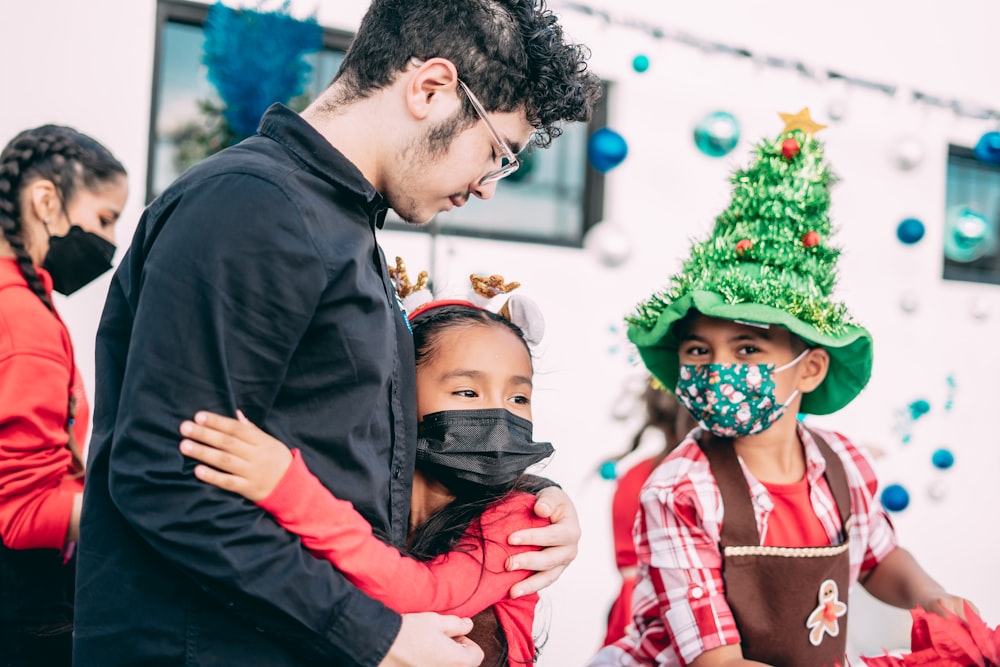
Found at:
(679, 604)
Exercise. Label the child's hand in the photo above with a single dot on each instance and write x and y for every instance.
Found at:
(243, 458)
(944, 603)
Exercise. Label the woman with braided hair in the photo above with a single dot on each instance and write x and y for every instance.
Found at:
(61, 193)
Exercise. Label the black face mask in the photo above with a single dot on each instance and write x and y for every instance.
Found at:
(486, 447)
(77, 258)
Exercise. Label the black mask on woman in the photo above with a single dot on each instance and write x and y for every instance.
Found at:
(486, 447)
(77, 259)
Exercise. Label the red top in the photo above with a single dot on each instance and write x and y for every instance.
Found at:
(462, 582)
(624, 507)
(37, 374)
(792, 522)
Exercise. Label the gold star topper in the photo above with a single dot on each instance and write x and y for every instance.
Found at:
(800, 121)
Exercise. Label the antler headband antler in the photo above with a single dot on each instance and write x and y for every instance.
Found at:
(520, 310)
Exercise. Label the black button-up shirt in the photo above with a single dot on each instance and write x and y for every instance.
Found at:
(255, 283)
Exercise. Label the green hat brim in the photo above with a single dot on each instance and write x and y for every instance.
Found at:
(850, 350)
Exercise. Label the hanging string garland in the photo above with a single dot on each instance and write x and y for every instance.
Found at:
(960, 107)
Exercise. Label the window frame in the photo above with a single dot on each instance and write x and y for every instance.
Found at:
(986, 269)
(193, 13)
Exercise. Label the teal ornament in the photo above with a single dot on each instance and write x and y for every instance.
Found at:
(988, 148)
(640, 63)
(717, 133)
(895, 498)
(910, 231)
(919, 408)
(968, 235)
(606, 149)
(943, 459)
(608, 470)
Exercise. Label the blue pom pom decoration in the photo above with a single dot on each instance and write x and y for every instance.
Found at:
(608, 470)
(943, 459)
(910, 231)
(895, 498)
(255, 59)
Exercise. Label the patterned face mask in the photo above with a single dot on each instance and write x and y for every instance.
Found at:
(733, 400)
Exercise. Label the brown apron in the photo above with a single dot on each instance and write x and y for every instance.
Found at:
(789, 603)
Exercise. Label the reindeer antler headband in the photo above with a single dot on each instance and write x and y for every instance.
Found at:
(417, 299)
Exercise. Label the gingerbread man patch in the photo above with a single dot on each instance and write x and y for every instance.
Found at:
(824, 618)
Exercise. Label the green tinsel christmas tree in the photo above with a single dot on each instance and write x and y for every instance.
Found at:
(768, 261)
(771, 244)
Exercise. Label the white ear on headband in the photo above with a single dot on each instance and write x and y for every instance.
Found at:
(526, 314)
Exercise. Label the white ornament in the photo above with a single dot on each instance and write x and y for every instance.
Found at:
(909, 302)
(937, 490)
(908, 153)
(836, 110)
(609, 243)
(980, 309)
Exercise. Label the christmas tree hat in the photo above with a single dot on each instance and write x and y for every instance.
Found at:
(768, 261)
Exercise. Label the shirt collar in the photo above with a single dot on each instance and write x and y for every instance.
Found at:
(294, 133)
(815, 463)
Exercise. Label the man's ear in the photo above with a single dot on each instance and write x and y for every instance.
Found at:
(431, 89)
(813, 369)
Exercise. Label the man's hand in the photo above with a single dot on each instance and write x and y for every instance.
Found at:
(433, 640)
(560, 542)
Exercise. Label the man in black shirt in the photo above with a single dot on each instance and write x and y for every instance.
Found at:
(255, 282)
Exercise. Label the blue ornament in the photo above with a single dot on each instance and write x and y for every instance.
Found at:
(988, 148)
(717, 133)
(967, 234)
(910, 230)
(895, 498)
(640, 63)
(608, 470)
(943, 459)
(606, 149)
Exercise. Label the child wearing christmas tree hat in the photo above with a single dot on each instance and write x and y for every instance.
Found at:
(751, 532)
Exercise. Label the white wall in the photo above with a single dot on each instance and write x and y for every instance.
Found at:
(90, 65)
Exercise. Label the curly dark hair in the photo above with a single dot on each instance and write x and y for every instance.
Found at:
(510, 52)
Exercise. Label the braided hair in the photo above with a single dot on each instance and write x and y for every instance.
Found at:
(56, 153)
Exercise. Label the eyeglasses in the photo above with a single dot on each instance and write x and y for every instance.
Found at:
(508, 159)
